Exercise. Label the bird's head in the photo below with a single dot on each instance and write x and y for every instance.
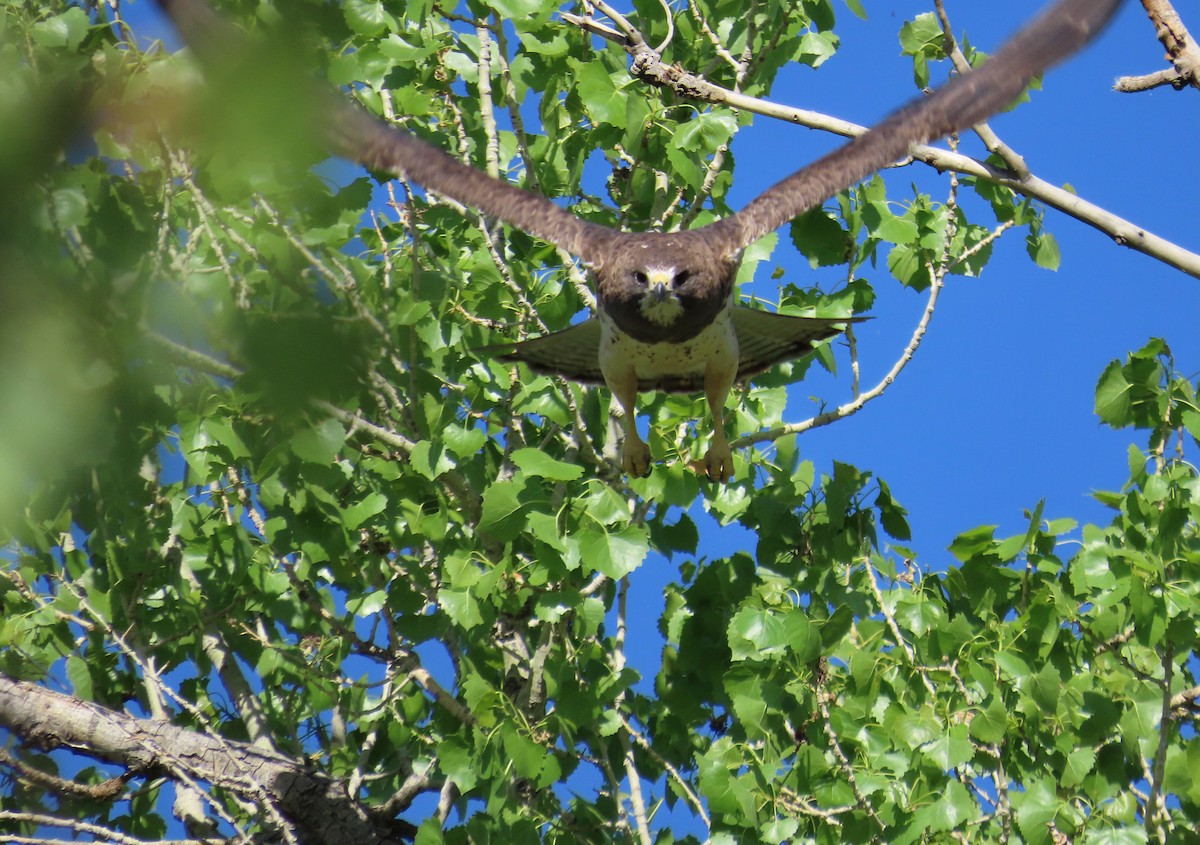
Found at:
(661, 287)
(664, 286)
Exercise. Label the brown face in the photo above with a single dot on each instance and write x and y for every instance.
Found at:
(664, 287)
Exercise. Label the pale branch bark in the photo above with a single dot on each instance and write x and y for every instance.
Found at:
(990, 140)
(104, 791)
(1149, 81)
(641, 821)
(847, 768)
(191, 798)
(649, 67)
(1157, 819)
(1182, 52)
(897, 634)
(672, 772)
(317, 805)
(80, 829)
(1183, 702)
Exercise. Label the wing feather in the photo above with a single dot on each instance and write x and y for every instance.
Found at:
(766, 338)
(965, 100)
(352, 132)
(361, 137)
(573, 352)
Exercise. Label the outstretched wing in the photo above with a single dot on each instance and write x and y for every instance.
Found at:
(573, 352)
(1055, 34)
(352, 132)
(766, 338)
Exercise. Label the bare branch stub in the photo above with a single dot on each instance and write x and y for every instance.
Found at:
(1182, 52)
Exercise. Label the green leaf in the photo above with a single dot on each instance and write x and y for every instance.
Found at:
(923, 36)
(884, 224)
(751, 697)
(430, 459)
(366, 17)
(703, 134)
(950, 750)
(614, 553)
(990, 725)
(1129, 835)
(222, 431)
(461, 607)
(430, 832)
(463, 442)
(820, 238)
(368, 605)
(519, 11)
(80, 677)
(759, 634)
(502, 515)
(721, 786)
(779, 830)
(954, 808)
(1044, 251)
(458, 762)
(319, 444)
(907, 264)
(64, 30)
(602, 92)
(537, 463)
(1191, 422)
(1131, 393)
(609, 723)
(974, 542)
(525, 755)
(369, 506)
(1035, 809)
(892, 515)
(1079, 764)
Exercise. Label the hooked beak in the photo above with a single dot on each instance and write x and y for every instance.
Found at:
(658, 285)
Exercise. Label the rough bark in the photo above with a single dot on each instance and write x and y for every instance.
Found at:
(317, 806)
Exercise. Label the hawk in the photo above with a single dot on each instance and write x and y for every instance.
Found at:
(667, 316)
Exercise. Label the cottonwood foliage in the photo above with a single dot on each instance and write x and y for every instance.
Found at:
(260, 491)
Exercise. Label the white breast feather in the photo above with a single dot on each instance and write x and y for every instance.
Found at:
(658, 360)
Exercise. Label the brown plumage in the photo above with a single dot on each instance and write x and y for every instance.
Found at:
(667, 316)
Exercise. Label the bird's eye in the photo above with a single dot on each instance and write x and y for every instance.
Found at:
(681, 278)
(640, 277)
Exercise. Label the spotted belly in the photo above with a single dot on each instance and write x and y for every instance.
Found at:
(678, 367)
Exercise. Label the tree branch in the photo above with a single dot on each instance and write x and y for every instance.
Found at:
(1182, 52)
(317, 805)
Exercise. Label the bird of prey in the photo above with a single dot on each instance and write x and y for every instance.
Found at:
(668, 316)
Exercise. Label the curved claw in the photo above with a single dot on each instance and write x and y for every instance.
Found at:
(718, 463)
(635, 458)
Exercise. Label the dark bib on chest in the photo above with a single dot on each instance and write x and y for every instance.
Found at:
(697, 314)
